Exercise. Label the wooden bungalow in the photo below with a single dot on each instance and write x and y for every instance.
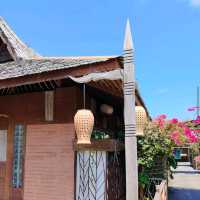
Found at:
(39, 96)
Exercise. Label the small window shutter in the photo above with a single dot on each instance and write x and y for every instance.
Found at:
(49, 105)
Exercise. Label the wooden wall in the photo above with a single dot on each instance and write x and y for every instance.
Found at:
(48, 149)
(49, 162)
(23, 108)
(29, 109)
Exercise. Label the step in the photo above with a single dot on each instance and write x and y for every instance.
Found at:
(186, 172)
(184, 164)
(185, 168)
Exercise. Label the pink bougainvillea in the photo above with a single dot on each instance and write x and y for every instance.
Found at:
(191, 136)
(177, 131)
(175, 136)
(197, 120)
(174, 121)
(193, 108)
(197, 158)
(160, 120)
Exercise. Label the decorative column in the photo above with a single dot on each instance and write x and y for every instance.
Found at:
(129, 118)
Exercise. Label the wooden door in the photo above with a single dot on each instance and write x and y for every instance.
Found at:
(3, 159)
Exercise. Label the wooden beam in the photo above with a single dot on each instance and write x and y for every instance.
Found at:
(109, 145)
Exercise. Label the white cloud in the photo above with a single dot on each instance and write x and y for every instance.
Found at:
(195, 2)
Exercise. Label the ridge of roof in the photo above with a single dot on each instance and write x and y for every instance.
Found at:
(77, 57)
(19, 50)
(15, 46)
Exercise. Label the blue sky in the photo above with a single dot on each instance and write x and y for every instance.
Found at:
(166, 38)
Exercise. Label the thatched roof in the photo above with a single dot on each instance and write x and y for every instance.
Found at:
(17, 59)
(15, 46)
(36, 66)
(21, 65)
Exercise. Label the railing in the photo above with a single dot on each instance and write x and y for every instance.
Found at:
(157, 175)
(161, 191)
(100, 170)
(150, 190)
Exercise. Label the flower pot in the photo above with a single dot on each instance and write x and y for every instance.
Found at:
(84, 123)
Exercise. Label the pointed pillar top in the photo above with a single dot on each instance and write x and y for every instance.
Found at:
(128, 41)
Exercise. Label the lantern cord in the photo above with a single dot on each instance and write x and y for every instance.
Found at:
(84, 95)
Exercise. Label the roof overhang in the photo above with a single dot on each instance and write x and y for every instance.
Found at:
(22, 73)
(29, 68)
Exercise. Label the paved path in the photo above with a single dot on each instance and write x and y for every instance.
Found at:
(184, 194)
(186, 183)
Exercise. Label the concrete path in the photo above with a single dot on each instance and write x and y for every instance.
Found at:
(186, 183)
(184, 194)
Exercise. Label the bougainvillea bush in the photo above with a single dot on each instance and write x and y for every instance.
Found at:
(195, 126)
(197, 159)
(197, 162)
(161, 135)
(178, 132)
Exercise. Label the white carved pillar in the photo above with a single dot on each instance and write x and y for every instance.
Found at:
(129, 118)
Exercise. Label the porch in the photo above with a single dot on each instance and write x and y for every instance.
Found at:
(39, 97)
(39, 142)
(32, 146)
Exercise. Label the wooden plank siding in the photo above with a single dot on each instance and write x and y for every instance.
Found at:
(49, 162)
(29, 109)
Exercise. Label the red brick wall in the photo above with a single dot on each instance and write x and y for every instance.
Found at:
(49, 162)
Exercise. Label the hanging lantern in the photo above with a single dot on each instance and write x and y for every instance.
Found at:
(107, 109)
(141, 118)
(84, 123)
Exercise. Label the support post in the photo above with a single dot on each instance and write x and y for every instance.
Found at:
(129, 118)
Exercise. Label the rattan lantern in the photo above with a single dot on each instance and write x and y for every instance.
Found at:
(84, 123)
(141, 119)
(107, 109)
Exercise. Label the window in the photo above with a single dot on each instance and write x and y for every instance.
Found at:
(18, 156)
